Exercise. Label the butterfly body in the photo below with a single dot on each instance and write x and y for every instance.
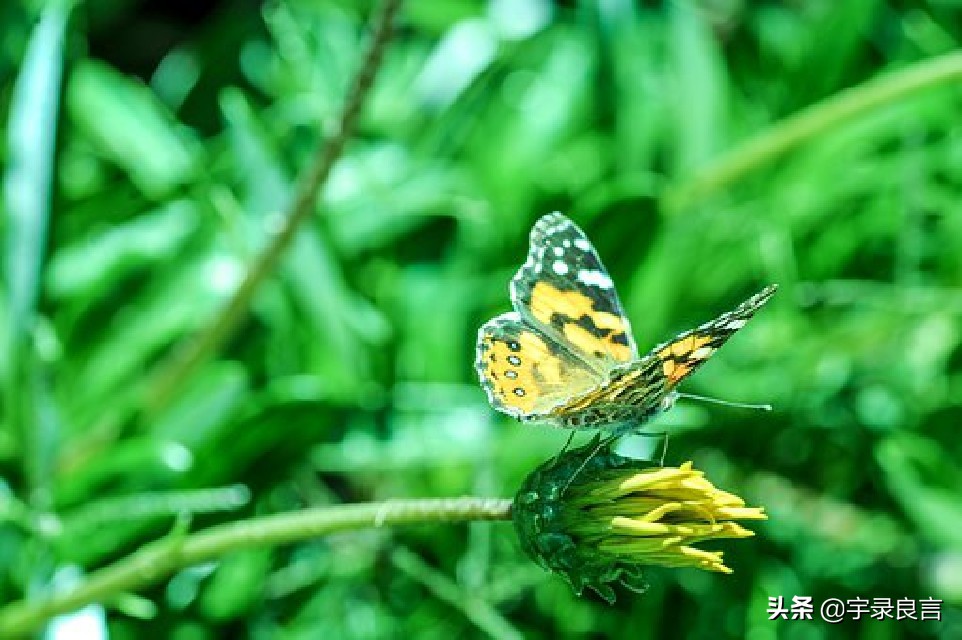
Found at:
(632, 395)
(565, 355)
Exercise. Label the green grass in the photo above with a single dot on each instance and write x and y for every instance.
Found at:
(707, 148)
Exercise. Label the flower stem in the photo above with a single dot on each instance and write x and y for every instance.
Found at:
(186, 361)
(812, 122)
(163, 557)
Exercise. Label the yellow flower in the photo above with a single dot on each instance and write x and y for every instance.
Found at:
(618, 514)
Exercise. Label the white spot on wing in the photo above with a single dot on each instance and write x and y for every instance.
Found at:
(559, 267)
(583, 244)
(558, 227)
(558, 251)
(736, 324)
(702, 353)
(595, 278)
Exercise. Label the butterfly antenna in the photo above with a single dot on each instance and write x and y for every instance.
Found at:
(602, 443)
(740, 405)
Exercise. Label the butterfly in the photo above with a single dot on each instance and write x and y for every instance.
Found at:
(566, 356)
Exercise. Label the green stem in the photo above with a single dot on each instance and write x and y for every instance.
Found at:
(182, 366)
(812, 122)
(161, 558)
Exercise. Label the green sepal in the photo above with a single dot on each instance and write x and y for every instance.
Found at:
(541, 517)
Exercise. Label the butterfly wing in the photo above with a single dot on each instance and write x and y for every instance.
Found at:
(565, 291)
(525, 373)
(566, 354)
(689, 350)
(645, 387)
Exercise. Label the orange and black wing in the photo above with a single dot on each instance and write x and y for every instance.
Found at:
(565, 291)
(682, 355)
(525, 373)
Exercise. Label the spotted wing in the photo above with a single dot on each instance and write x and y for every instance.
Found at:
(526, 373)
(688, 351)
(564, 290)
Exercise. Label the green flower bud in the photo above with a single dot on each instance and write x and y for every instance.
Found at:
(600, 525)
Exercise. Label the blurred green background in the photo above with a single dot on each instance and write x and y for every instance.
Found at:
(150, 146)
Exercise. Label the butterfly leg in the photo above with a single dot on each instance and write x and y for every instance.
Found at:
(635, 430)
(664, 448)
(654, 434)
(601, 444)
(664, 444)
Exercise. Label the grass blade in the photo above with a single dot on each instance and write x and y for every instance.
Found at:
(31, 140)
